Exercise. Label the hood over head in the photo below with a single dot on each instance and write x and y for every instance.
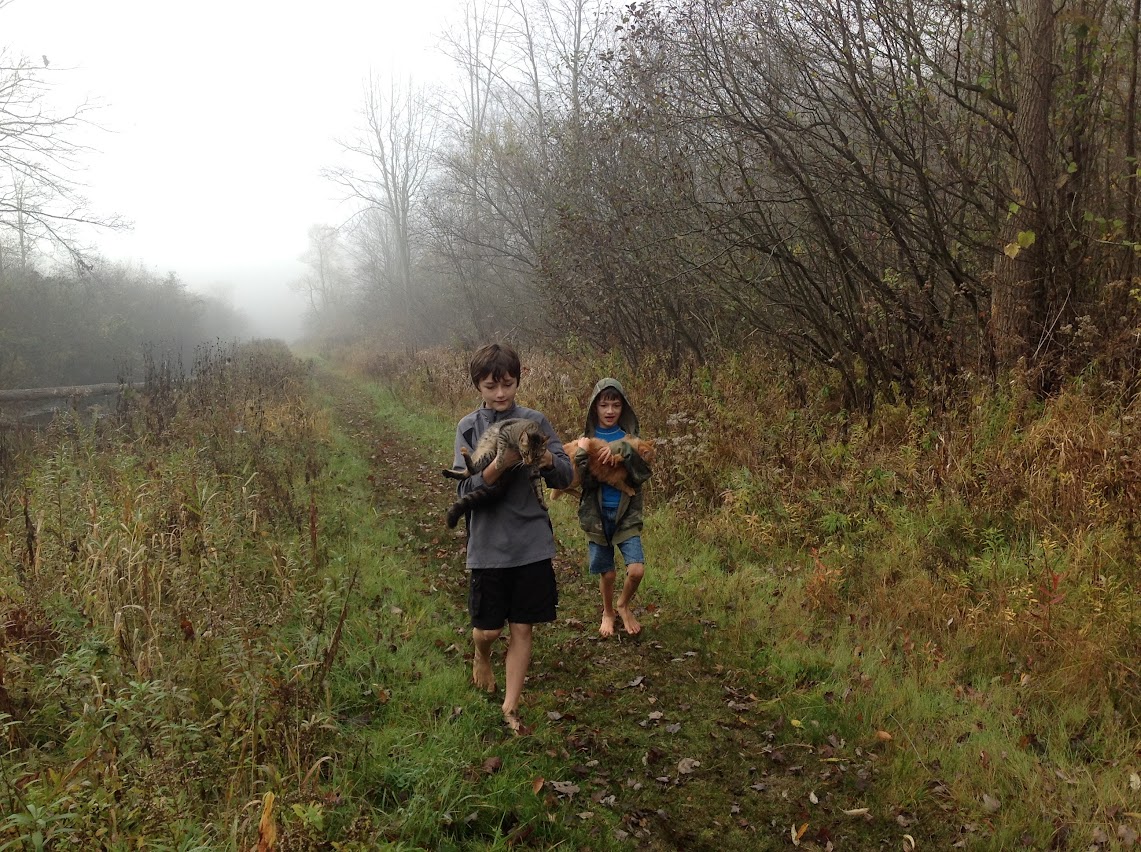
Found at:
(628, 422)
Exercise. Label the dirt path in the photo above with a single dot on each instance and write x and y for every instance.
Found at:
(687, 747)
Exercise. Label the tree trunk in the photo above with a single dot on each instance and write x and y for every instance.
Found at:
(1018, 294)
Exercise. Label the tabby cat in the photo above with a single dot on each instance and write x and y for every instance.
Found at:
(610, 474)
(517, 433)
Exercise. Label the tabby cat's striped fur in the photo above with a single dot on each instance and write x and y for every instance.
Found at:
(517, 433)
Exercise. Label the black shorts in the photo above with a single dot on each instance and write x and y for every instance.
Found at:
(525, 594)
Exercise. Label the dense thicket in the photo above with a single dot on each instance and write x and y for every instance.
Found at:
(99, 326)
(905, 192)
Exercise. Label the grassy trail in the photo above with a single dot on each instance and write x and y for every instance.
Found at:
(668, 740)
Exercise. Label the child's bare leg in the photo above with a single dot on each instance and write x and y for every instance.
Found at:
(634, 573)
(481, 674)
(606, 587)
(518, 660)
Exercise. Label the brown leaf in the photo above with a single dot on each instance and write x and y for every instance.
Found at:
(797, 833)
(492, 765)
(537, 785)
(883, 736)
(267, 828)
(687, 765)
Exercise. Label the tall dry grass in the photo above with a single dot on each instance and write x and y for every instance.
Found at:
(151, 564)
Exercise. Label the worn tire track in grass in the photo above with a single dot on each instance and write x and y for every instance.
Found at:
(669, 738)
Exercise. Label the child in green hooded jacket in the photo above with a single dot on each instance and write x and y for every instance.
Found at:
(610, 518)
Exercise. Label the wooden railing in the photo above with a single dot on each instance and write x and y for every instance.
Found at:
(29, 394)
(73, 393)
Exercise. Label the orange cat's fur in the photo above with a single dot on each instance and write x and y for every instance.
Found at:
(611, 474)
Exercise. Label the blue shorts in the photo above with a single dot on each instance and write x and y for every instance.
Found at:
(602, 555)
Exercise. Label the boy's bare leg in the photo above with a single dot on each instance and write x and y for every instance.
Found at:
(606, 587)
(634, 573)
(481, 673)
(518, 660)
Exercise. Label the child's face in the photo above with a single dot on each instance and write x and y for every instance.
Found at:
(498, 394)
(608, 409)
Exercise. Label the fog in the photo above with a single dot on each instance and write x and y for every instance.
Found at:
(214, 123)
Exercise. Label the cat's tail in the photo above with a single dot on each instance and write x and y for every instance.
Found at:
(457, 511)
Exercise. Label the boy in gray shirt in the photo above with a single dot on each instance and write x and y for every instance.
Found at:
(510, 541)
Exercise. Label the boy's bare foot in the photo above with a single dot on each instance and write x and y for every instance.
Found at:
(481, 674)
(628, 621)
(515, 723)
(607, 626)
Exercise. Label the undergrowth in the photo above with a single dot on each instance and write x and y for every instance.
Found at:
(230, 611)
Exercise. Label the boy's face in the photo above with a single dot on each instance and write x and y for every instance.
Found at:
(498, 394)
(608, 409)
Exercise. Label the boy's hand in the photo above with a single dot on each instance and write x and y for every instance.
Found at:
(607, 457)
(507, 459)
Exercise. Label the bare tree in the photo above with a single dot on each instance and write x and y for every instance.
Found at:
(40, 195)
(397, 147)
(522, 65)
(325, 284)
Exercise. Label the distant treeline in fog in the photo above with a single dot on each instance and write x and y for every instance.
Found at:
(96, 325)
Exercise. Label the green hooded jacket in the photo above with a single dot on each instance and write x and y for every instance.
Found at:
(629, 515)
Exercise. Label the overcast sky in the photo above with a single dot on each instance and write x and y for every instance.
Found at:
(220, 115)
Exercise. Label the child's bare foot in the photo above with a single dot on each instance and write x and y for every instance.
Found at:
(481, 674)
(515, 723)
(607, 626)
(628, 621)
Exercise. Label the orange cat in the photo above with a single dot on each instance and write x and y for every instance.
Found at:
(611, 474)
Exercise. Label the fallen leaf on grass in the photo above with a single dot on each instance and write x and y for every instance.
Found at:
(492, 765)
(564, 788)
(856, 812)
(537, 785)
(883, 736)
(1134, 781)
(554, 715)
(687, 765)
(991, 804)
(797, 833)
(636, 681)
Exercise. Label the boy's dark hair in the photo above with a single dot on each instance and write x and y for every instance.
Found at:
(496, 360)
(610, 394)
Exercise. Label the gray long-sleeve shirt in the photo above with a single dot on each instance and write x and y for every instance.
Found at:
(514, 530)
